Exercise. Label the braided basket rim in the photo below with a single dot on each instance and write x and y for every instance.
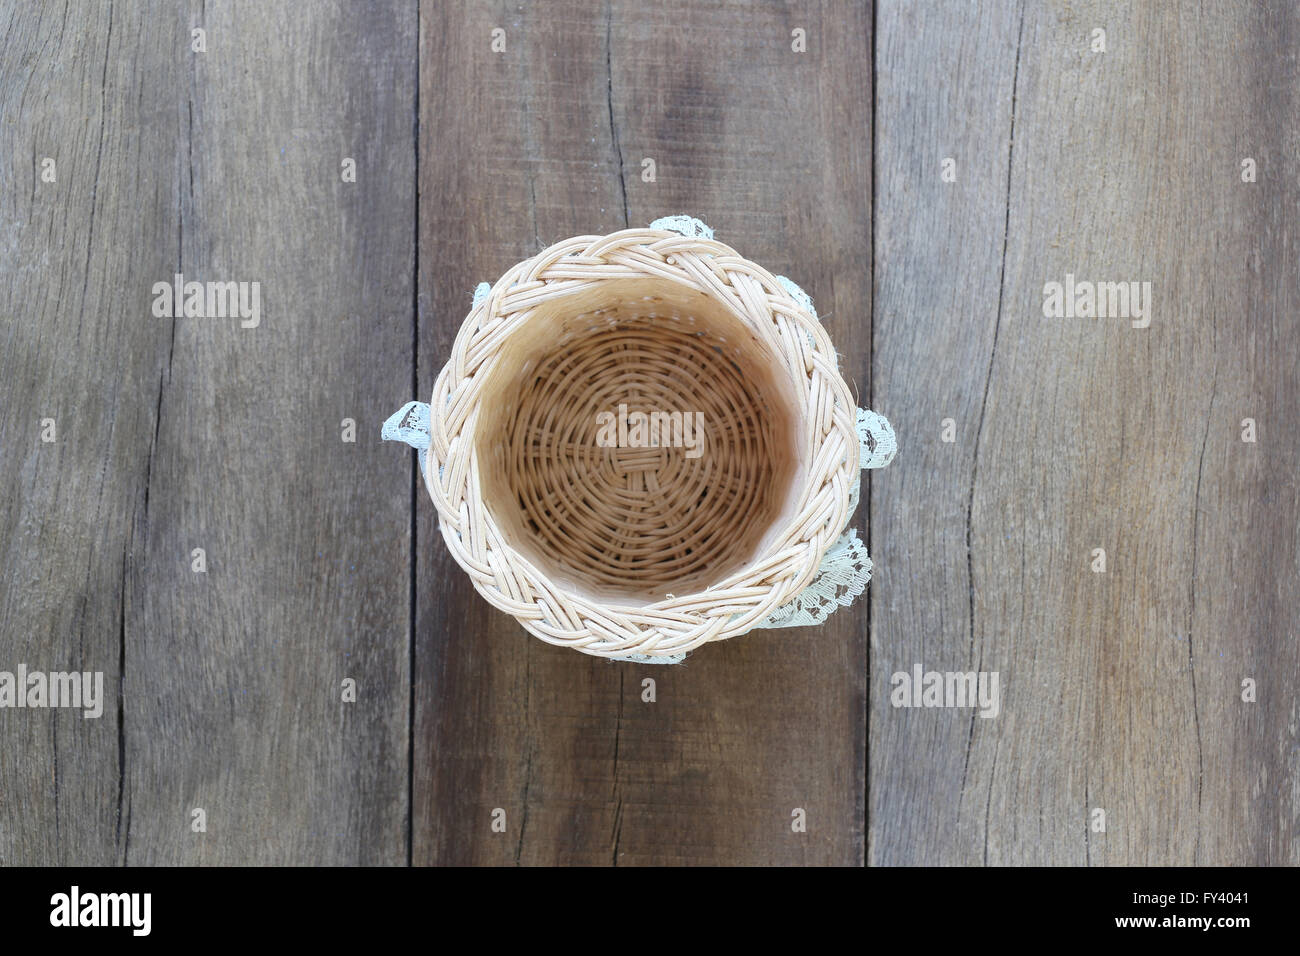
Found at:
(729, 608)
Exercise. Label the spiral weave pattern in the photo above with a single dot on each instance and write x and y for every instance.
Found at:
(644, 521)
(603, 544)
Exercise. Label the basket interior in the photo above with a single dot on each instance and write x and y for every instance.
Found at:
(637, 440)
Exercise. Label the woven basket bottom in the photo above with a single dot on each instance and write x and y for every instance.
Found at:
(614, 505)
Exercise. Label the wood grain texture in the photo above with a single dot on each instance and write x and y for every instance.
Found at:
(938, 250)
(197, 433)
(78, 348)
(547, 140)
(1121, 690)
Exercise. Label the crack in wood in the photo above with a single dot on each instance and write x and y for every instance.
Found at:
(988, 378)
(609, 99)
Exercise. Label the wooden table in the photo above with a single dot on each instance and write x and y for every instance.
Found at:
(1028, 442)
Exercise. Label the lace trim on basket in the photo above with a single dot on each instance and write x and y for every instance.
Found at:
(686, 226)
(841, 577)
(647, 659)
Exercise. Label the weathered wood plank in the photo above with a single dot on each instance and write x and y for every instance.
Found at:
(306, 535)
(1122, 689)
(938, 249)
(191, 433)
(91, 89)
(547, 140)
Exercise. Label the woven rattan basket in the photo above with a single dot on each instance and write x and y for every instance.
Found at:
(613, 546)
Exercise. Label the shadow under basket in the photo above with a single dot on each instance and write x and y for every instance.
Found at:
(641, 443)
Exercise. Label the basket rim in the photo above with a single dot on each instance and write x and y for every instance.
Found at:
(733, 606)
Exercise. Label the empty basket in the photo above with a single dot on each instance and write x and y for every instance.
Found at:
(641, 443)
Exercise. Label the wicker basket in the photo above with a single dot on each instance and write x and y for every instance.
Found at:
(618, 547)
